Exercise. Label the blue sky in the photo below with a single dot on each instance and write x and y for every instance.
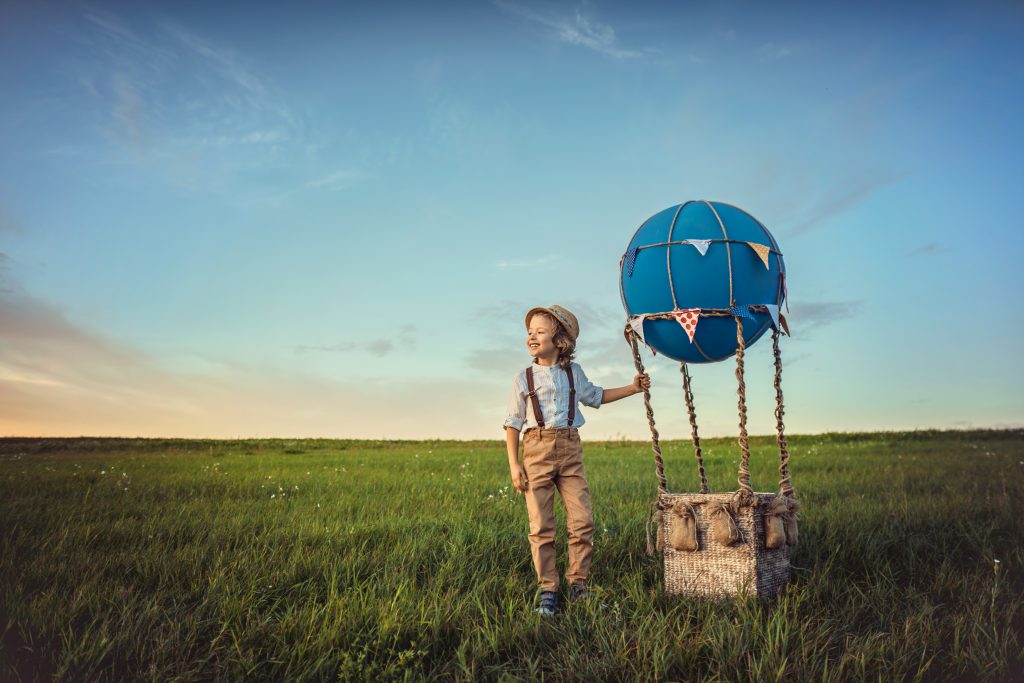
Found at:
(327, 219)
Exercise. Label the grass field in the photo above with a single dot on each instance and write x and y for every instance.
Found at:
(342, 560)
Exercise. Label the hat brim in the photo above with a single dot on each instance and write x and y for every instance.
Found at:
(553, 314)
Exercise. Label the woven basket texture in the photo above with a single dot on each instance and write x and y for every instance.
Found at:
(715, 570)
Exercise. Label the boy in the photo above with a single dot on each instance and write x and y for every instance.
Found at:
(545, 400)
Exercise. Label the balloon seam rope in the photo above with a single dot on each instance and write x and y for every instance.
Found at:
(668, 256)
(728, 250)
(700, 350)
(778, 257)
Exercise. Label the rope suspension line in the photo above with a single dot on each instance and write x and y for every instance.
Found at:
(688, 395)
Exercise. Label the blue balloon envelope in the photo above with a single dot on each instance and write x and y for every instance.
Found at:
(664, 270)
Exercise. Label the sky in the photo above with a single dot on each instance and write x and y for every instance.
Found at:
(328, 219)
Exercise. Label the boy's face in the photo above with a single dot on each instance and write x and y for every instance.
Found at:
(540, 338)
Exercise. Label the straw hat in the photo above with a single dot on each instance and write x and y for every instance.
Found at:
(562, 315)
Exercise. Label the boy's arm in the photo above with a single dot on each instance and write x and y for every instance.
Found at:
(640, 382)
(516, 469)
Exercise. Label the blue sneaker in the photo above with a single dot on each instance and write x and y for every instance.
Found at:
(547, 604)
(580, 591)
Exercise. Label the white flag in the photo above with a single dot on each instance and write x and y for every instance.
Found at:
(702, 245)
(637, 323)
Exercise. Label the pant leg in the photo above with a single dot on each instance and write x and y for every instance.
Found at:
(575, 492)
(541, 466)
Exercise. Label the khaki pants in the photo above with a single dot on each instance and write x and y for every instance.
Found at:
(553, 458)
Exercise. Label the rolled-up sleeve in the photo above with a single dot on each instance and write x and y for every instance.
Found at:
(515, 412)
(589, 394)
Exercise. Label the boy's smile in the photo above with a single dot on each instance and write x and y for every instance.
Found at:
(540, 340)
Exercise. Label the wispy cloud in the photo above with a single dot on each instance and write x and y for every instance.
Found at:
(225, 63)
(777, 50)
(7, 222)
(809, 316)
(404, 341)
(58, 378)
(525, 264)
(337, 180)
(5, 288)
(925, 250)
(841, 197)
(580, 29)
(162, 89)
(269, 137)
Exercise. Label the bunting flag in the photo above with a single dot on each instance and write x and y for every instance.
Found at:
(785, 291)
(773, 310)
(701, 245)
(741, 311)
(785, 326)
(637, 323)
(630, 260)
(761, 250)
(687, 317)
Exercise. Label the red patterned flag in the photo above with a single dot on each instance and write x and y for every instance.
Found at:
(687, 317)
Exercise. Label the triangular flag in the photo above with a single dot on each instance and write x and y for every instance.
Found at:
(762, 250)
(687, 317)
(773, 311)
(741, 311)
(785, 291)
(637, 323)
(630, 260)
(785, 326)
(702, 245)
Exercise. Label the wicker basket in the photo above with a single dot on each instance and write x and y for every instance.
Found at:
(747, 564)
(713, 569)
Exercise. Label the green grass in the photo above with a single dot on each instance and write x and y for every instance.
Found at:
(345, 560)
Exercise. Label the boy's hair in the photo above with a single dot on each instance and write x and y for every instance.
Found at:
(565, 344)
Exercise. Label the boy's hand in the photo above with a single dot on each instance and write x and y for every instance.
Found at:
(641, 382)
(519, 480)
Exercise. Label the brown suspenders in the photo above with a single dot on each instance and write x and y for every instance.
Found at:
(536, 403)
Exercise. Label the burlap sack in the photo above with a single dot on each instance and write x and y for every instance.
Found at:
(790, 521)
(723, 526)
(774, 524)
(683, 534)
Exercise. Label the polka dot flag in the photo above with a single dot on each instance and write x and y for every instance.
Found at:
(687, 317)
(630, 260)
(741, 311)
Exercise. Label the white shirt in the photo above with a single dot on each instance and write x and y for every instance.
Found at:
(552, 386)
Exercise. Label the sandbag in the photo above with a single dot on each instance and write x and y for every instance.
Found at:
(723, 526)
(774, 524)
(789, 522)
(683, 534)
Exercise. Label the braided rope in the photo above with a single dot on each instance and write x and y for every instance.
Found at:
(688, 394)
(668, 256)
(746, 494)
(655, 444)
(784, 484)
(707, 313)
(728, 250)
(639, 247)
